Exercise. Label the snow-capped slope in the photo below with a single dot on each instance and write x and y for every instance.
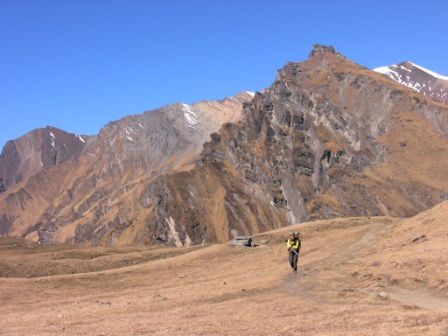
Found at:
(190, 116)
(419, 79)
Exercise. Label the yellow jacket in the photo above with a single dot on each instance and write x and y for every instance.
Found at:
(295, 244)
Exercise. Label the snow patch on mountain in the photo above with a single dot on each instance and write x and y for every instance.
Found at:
(190, 116)
(386, 70)
(52, 140)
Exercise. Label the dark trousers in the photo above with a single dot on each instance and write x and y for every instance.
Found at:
(293, 259)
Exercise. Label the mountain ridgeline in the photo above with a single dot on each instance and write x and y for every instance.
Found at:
(93, 193)
(328, 139)
(38, 149)
(419, 79)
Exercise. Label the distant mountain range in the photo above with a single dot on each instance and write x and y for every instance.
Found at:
(329, 138)
(419, 79)
(60, 186)
(36, 150)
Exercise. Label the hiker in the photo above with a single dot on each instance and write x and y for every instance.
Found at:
(294, 244)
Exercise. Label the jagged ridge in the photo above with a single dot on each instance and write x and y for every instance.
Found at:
(329, 138)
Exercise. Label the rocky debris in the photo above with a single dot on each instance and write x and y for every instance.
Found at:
(158, 296)
(419, 238)
(45, 236)
(382, 295)
(245, 241)
(108, 303)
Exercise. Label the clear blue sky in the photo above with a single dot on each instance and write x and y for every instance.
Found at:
(79, 64)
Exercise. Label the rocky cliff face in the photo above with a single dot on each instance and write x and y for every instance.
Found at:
(329, 138)
(419, 79)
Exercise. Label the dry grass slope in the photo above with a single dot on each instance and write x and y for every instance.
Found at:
(357, 276)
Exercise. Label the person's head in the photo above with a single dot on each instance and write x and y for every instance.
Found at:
(293, 235)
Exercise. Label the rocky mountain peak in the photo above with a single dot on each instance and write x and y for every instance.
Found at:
(323, 49)
(38, 149)
(325, 140)
(321, 59)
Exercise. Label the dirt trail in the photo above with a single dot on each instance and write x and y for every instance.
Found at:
(423, 298)
(305, 285)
